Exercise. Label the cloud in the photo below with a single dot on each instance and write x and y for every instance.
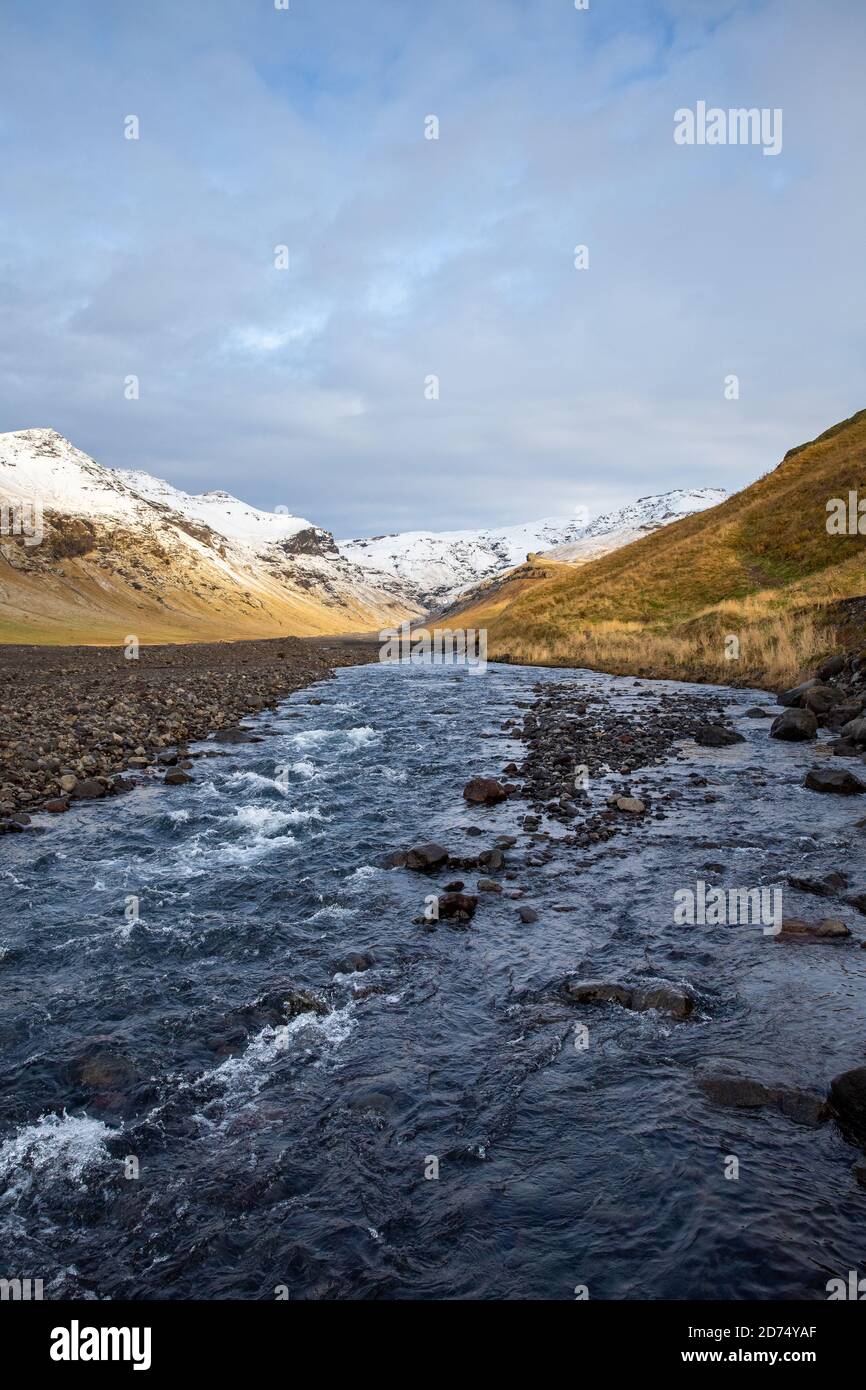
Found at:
(411, 257)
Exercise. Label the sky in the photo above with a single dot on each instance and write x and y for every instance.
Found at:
(411, 258)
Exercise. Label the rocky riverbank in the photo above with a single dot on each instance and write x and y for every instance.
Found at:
(81, 723)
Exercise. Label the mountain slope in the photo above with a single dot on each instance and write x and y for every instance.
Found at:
(434, 568)
(122, 552)
(763, 552)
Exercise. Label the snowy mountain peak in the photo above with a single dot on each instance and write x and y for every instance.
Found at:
(435, 567)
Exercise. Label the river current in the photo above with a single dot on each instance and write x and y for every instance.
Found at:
(442, 1130)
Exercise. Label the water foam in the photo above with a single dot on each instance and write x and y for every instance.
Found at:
(59, 1147)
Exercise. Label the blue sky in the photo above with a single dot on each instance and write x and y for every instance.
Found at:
(410, 257)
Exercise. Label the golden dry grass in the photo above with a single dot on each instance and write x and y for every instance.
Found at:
(761, 566)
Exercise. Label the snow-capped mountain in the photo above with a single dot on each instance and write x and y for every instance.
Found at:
(123, 551)
(616, 529)
(433, 568)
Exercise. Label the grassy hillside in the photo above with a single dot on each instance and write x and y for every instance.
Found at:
(761, 566)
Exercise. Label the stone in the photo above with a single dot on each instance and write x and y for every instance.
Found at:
(848, 1102)
(426, 858)
(742, 1093)
(795, 726)
(664, 998)
(829, 929)
(717, 736)
(838, 781)
(794, 697)
(484, 791)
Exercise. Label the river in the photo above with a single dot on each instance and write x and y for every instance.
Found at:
(231, 1156)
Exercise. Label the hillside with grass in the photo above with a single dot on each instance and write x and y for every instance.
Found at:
(761, 567)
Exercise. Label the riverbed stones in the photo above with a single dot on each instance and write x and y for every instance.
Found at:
(631, 804)
(742, 1093)
(458, 907)
(491, 859)
(833, 666)
(795, 726)
(176, 778)
(56, 804)
(793, 698)
(427, 858)
(848, 1102)
(484, 791)
(84, 714)
(527, 914)
(717, 736)
(659, 995)
(834, 781)
(828, 929)
(826, 887)
(820, 698)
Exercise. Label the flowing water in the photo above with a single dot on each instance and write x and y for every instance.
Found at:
(294, 1158)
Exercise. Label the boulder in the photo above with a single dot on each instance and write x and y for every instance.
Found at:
(834, 780)
(826, 887)
(457, 905)
(829, 929)
(491, 859)
(794, 698)
(88, 790)
(56, 804)
(833, 666)
(820, 699)
(632, 804)
(757, 713)
(665, 998)
(488, 885)
(854, 731)
(527, 915)
(176, 779)
(741, 1093)
(425, 859)
(717, 736)
(795, 726)
(848, 1102)
(484, 791)
(843, 713)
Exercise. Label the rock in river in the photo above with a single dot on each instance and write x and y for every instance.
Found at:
(484, 791)
(667, 999)
(426, 858)
(848, 1102)
(795, 726)
(832, 779)
(741, 1093)
(717, 736)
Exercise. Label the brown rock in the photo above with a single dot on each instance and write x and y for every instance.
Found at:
(484, 791)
